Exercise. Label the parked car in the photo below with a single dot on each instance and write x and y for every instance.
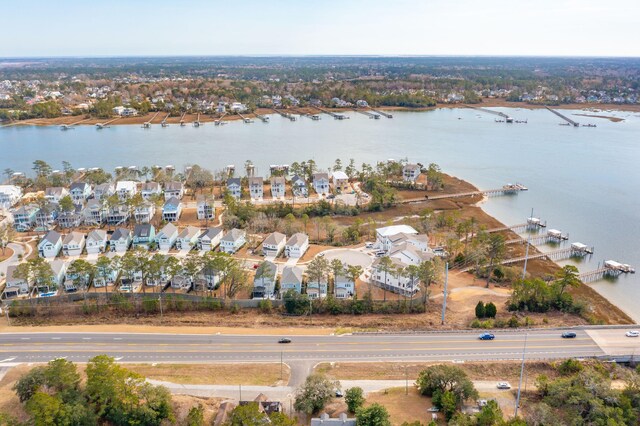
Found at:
(284, 340)
(486, 336)
(433, 410)
(504, 385)
(568, 335)
(369, 245)
(482, 403)
(632, 333)
(339, 393)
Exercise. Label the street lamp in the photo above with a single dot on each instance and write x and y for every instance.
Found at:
(524, 352)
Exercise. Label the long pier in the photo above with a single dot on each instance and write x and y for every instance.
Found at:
(556, 237)
(182, 123)
(333, 114)
(197, 122)
(164, 123)
(520, 227)
(382, 113)
(559, 254)
(106, 123)
(70, 126)
(507, 118)
(608, 269)
(564, 117)
(219, 121)
(147, 124)
(264, 118)
(507, 189)
(246, 120)
(291, 117)
(367, 113)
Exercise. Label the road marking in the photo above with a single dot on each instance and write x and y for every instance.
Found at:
(56, 338)
(8, 359)
(25, 338)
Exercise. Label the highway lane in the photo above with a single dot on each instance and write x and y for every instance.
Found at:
(182, 348)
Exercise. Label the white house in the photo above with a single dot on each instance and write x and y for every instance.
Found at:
(278, 185)
(55, 193)
(173, 189)
(167, 236)
(104, 191)
(409, 254)
(321, 183)
(96, 241)
(264, 282)
(344, 287)
(297, 245)
(50, 245)
(188, 238)
(73, 244)
(299, 186)
(9, 195)
(317, 289)
(50, 287)
(233, 240)
(209, 239)
(410, 172)
(120, 240)
(172, 210)
(255, 188)
(234, 186)
(80, 192)
(274, 244)
(25, 217)
(149, 190)
(388, 236)
(15, 286)
(394, 282)
(205, 207)
(144, 212)
(291, 279)
(340, 181)
(126, 189)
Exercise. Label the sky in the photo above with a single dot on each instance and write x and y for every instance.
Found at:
(326, 27)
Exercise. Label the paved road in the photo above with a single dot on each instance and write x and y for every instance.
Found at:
(181, 348)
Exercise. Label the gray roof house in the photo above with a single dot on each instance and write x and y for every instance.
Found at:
(264, 285)
(291, 279)
(234, 186)
(143, 235)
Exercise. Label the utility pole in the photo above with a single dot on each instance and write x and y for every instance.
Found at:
(446, 279)
(524, 353)
(526, 253)
(240, 393)
(281, 364)
(310, 309)
(160, 300)
(6, 312)
(406, 381)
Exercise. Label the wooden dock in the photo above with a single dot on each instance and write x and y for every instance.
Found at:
(505, 190)
(245, 120)
(291, 117)
(382, 113)
(106, 123)
(263, 118)
(147, 124)
(164, 123)
(333, 114)
(507, 118)
(559, 254)
(219, 121)
(367, 113)
(565, 118)
(520, 227)
(182, 123)
(197, 122)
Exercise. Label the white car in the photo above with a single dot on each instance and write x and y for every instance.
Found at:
(504, 385)
(632, 333)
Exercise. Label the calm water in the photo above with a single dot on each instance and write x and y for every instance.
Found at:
(584, 181)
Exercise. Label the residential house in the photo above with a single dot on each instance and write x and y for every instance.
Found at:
(80, 192)
(361, 103)
(317, 289)
(55, 193)
(297, 245)
(118, 214)
(188, 238)
(299, 187)
(172, 210)
(50, 287)
(96, 241)
(410, 254)
(24, 218)
(388, 236)
(71, 219)
(126, 189)
(344, 287)
(291, 279)
(233, 240)
(399, 283)
(167, 236)
(120, 240)
(264, 282)
(9, 195)
(46, 216)
(173, 189)
(234, 186)
(321, 183)
(149, 190)
(181, 282)
(410, 172)
(15, 286)
(73, 243)
(106, 280)
(205, 207)
(104, 191)
(274, 244)
(50, 245)
(209, 239)
(255, 188)
(144, 212)
(75, 281)
(278, 186)
(340, 181)
(143, 235)
(265, 405)
(95, 213)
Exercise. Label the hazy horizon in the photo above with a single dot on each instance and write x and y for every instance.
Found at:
(548, 28)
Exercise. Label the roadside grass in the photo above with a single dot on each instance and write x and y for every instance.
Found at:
(214, 374)
(403, 408)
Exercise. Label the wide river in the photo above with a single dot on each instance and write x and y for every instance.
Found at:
(583, 181)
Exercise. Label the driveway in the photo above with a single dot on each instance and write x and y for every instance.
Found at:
(349, 256)
(18, 250)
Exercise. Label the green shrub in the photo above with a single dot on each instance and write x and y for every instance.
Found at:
(265, 306)
(513, 322)
(150, 305)
(490, 310)
(480, 310)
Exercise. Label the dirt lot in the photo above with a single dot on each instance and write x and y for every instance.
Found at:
(401, 407)
(215, 374)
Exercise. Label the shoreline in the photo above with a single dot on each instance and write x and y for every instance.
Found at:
(591, 110)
